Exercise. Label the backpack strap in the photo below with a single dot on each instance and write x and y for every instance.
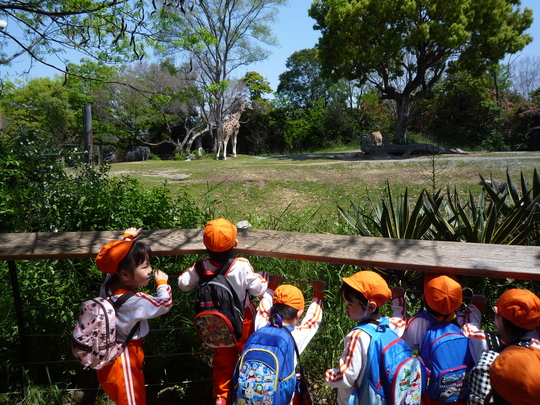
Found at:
(117, 304)
(223, 270)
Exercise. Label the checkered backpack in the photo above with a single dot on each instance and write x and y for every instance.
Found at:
(479, 381)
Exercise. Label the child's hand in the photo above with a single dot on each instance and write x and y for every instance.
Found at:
(160, 275)
(318, 286)
(275, 279)
(398, 292)
(480, 302)
(134, 232)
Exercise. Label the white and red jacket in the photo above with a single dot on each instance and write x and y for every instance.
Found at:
(354, 356)
(241, 276)
(140, 307)
(305, 330)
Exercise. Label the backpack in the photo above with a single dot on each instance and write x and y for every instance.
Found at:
(94, 335)
(218, 312)
(265, 370)
(446, 354)
(479, 381)
(392, 375)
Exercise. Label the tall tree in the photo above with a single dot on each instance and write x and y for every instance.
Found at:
(218, 36)
(302, 81)
(103, 29)
(381, 41)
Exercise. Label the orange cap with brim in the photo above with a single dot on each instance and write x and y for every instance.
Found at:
(219, 235)
(521, 307)
(112, 254)
(442, 293)
(372, 285)
(515, 375)
(289, 295)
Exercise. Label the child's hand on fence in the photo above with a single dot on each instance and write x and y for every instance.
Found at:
(132, 233)
(160, 275)
(318, 286)
(479, 301)
(398, 292)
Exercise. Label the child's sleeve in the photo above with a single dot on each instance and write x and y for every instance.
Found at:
(351, 363)
(415, 331)
(149, 307)
(188, 280)
(477, 340)
(310, 323)
(472, 315)
(255, 283)
(263, 310)
(398, 321)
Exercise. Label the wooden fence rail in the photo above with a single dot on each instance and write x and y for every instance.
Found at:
(473, 259)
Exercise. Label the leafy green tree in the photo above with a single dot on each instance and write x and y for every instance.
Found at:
(43, 105)
(218, 38)
(463, 111)
(110, 30)
(404, 48)
(257, 87)
(302, 82)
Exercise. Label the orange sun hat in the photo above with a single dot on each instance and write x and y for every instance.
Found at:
(515, 375)
(112, 254)
(289, 295)
(219, 235)
(442, 293)
(371, 284)
(521, 307)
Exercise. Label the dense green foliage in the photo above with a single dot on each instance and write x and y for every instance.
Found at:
(404, 49)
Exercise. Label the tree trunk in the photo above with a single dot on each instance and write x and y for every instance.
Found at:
(403, 109)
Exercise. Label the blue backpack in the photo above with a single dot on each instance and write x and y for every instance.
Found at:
(392, 375)
(265, 371)
(447, 356)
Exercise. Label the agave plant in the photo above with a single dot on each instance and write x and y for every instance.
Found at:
(384, 218)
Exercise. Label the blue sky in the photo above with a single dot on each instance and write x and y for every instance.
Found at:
(294, 31)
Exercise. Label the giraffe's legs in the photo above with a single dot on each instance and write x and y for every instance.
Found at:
(225, 142)
(233, 141)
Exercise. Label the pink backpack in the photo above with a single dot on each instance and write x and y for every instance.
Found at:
(94, 335)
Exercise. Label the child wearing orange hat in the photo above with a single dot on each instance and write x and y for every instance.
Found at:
(515, 376)
(127, 264)
(287, 301)
(364, 293)
(219, 237)
(442, 297)
(517, 316)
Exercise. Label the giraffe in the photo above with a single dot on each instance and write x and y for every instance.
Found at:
(229, 130)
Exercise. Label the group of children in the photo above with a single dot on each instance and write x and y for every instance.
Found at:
(508, 370)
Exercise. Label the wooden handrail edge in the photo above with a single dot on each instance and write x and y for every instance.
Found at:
(474, 259)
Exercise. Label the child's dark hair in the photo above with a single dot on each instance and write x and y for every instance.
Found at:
(513, 329)
(137, 255)
(352, 295)
(285, 311)
(220, 257)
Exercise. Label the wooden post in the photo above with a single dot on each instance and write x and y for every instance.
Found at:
(20, 318)
(88, 135)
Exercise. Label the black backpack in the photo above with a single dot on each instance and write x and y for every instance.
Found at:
(219, 314)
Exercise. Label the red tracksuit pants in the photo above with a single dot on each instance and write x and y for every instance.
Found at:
(123, 380)
(224, 361)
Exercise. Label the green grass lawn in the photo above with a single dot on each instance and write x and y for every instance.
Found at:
(249, 187)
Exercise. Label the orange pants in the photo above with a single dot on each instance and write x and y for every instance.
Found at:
(123, 380)
(224, 361)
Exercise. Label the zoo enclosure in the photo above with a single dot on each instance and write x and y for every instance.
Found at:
(471, 259)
